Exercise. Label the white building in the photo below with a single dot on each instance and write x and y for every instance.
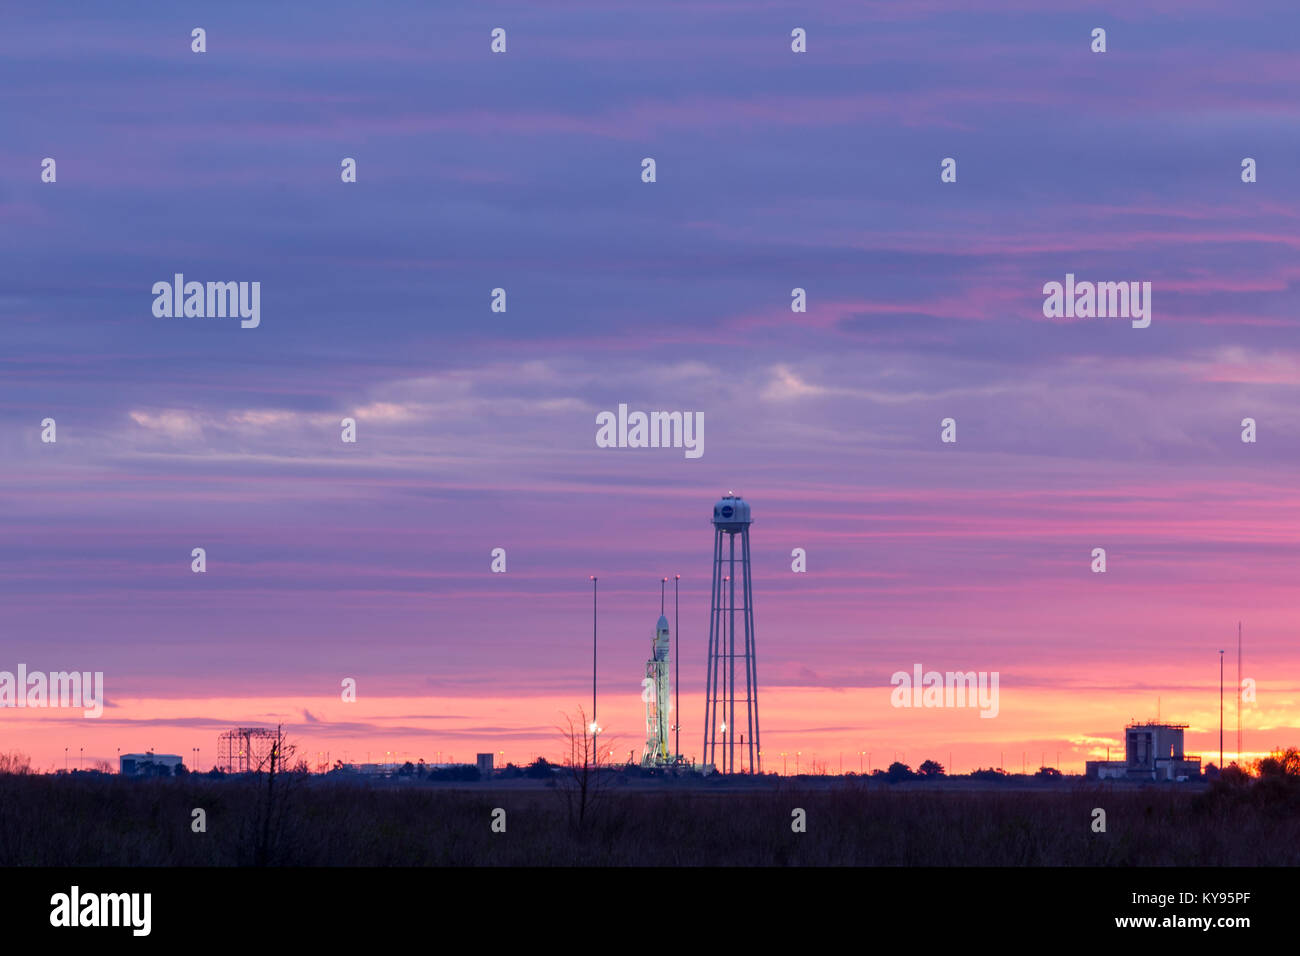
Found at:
(149, 765)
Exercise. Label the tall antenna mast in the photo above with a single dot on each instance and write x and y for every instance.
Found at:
(1220, 710)
(1238, 692)
(662, 585)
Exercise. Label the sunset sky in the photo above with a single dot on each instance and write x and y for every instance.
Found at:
(476, 429)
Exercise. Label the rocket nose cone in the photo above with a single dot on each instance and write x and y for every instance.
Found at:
(663, 623)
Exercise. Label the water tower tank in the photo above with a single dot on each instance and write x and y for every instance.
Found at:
(731, 514)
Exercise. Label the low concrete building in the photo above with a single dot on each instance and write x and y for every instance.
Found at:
(149, 765)
(1104, 769)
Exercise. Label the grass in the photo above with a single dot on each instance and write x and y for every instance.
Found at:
(111, 821)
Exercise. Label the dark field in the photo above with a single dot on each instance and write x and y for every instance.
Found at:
(109, 821)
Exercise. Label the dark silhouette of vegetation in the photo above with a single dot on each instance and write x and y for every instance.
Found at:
(1274, 790)
(541, 769)
(15, 763)
(1233, 775)
(898, 771)
(931, 768)
(461, 772)
(1283, 763)
(1047, 773)
(271, 826)
(93, 820)
(584, 781)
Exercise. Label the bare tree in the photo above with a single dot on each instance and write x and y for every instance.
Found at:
(271, 816)
(586, 776)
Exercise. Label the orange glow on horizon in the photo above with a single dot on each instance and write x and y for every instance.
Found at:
(827, 727)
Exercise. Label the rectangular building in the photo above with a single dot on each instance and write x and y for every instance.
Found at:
(1152, 751)
(149, 765)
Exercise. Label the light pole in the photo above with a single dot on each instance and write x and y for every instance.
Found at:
(677, 667)
(593, 670)
(783, 766)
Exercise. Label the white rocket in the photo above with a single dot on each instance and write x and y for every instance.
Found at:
(655, 691)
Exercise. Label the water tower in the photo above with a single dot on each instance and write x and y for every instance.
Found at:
(731, 572)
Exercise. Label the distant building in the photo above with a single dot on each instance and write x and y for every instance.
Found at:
(149, 765)
(1152, 751)
(485, 766)
(394, 769)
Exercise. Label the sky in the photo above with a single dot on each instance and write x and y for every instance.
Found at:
(775, 170)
